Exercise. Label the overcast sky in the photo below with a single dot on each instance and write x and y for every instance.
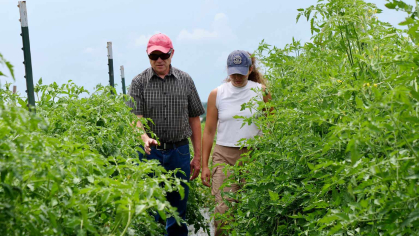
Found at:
(68, 38)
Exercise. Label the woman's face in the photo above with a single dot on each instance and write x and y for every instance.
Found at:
(239, 80)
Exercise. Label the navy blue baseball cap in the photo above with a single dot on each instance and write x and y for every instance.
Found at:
(238, 62)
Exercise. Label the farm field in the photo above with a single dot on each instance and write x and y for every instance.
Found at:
(338, 155)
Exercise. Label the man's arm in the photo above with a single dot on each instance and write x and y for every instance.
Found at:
(195, 109)
(137, 105)
(195, 124)
(148, 142)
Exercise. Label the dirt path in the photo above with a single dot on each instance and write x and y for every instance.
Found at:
(207, 216)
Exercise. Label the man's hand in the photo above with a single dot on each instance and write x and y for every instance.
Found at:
(206, 176)
(148, 142)
(195, 167)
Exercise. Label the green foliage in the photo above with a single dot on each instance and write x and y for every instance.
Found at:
(339, 154)
(8, 65)
(411, 20)
(200, 198)
(73, 167)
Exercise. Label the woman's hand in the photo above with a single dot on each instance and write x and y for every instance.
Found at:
(206, 176)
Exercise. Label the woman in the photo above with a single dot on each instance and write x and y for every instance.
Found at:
(223, 104)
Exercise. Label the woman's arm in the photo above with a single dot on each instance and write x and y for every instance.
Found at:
(208, 137)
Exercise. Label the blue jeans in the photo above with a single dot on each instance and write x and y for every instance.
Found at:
(178, 158)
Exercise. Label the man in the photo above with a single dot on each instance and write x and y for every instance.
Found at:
(168, 96)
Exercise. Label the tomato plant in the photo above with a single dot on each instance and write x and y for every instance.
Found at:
(339, 153)
(73, 168)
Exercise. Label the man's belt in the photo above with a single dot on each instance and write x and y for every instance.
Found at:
(172, 145)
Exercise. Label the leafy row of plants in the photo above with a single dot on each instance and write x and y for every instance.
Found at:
(72, 168)
(339, 154)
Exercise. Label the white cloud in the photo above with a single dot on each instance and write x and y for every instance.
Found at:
(143, 39)
(220, 31)
(196, 34)
(88, 50)
(220, 16)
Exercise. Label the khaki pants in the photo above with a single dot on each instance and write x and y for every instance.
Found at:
(223, 155)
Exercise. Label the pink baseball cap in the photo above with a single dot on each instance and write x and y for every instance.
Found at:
(159, 42)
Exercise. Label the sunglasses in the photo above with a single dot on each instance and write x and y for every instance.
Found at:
(163, 56)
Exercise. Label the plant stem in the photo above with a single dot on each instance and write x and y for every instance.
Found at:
(404, 137)
(129, 220)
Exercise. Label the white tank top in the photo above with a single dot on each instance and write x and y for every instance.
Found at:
(228, 102)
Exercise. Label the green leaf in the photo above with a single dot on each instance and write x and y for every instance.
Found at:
(390, 5)
(10, 67)
(416, 176)
(359, 103)
(413, 216)
(408, 21)
(139, 209)
(328, 219)
(390, 35)
(414, 94)
(273, 196)
(343, 216)
(76, 180)
(90, 179)
(181, 192)
(335, 229)
(364, 203)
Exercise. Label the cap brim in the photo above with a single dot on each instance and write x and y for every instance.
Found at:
(157, 48)
(242, 70)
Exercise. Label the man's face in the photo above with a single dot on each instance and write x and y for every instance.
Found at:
(160, 66)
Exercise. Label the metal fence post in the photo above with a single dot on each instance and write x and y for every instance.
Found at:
(27, 54)
(123, 80)
(110, 64)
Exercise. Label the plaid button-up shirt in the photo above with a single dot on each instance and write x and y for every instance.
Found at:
(169, 102)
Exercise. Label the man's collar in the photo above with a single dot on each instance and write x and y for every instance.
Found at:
(172, 71)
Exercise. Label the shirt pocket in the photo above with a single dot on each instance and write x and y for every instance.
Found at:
(152, 95)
